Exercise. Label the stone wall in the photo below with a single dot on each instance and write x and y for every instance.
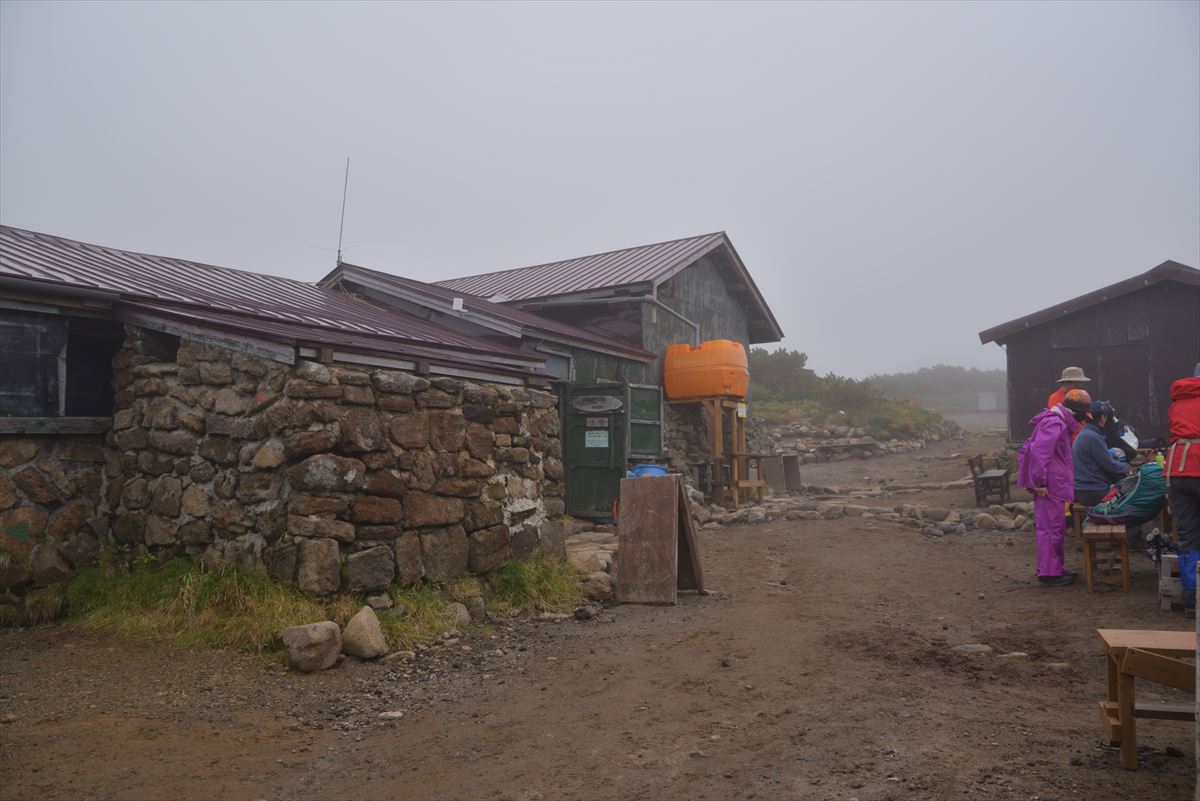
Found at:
(51, 507)
(330, 477)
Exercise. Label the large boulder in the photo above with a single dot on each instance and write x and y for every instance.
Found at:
(314, 646)
(363, 636)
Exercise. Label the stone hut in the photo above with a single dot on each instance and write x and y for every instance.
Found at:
(154, 405)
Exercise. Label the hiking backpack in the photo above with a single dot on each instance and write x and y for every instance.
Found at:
(1135, 499)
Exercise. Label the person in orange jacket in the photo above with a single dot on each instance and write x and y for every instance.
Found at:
(1182, 471)
(1072, 378)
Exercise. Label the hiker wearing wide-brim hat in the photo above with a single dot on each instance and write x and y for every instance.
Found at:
(1072, 378)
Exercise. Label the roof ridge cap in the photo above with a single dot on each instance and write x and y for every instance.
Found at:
(584, 256)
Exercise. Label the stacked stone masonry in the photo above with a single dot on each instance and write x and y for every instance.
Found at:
(328, 477)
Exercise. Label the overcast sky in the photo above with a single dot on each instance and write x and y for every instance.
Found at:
(897, 177)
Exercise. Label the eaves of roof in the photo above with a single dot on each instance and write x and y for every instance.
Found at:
(505, 319)
(260, 306)
(1167, 271)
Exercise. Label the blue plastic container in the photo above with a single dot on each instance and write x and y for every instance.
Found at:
(643, 470)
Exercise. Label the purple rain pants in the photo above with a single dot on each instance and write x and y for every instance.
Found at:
(1051, 521)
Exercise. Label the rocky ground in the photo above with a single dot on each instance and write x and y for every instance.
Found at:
(827, 666)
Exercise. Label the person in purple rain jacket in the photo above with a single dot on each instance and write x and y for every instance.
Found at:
(1046, 470)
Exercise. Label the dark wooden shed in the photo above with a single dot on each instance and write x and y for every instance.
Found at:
(1133, 339)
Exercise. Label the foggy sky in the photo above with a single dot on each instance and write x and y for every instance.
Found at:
(896, 177)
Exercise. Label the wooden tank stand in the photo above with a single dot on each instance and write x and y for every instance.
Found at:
(729, 482)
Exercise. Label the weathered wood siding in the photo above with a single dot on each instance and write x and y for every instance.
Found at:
(702, 294)
(1132, 347)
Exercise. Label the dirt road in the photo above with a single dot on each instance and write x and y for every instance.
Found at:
(823, 669)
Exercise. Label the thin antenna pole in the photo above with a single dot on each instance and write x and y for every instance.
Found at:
(342, 224)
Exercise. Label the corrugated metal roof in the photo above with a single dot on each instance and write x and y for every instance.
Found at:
(1167, 271)
(619, 269)
(263, 303)
(616, 268)
(294, 335)
(525, 320)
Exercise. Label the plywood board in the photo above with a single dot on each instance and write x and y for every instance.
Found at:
(791, 473)
(772, 473)
(691, 573)
(648, 540)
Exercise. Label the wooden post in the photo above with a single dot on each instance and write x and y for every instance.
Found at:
(1125, 703)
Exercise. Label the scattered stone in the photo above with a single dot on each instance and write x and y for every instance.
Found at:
(392, 715)
(380, 601)
(474, 606)
(1014, 655)
(363, 636)
(459, 612)
(973, 648)
(598, 585)
(586, 612)
(985, 521)
(1057, 665)
(314, 646)
(399, 656)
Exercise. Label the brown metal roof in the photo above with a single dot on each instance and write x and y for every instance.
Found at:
(443, 298)
(250, 302)
(616, 268)
(1167, 271)
(647, 265)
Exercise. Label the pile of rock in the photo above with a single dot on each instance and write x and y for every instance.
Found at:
(824, 444)
(317, 646)
(931, 520)
(320, 646)
(592, 551)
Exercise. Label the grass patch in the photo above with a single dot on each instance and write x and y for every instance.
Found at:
(534, 584)
(180, 602)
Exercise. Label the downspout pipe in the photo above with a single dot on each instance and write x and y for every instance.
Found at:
(621, 300)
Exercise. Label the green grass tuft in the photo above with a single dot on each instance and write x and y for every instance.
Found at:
(179, 601)
(534, 584)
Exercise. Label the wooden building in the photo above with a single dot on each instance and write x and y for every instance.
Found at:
(1133, 339)
(647, 297)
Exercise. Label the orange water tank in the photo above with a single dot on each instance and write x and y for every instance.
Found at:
(718, 367)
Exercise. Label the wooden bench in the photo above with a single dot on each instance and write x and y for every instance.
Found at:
(1110, 541)
(988, 482)
(1154, 656)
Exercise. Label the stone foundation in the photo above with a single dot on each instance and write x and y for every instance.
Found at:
(52, 510)
(328, 477)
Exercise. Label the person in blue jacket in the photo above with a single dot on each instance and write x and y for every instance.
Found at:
(1095, 468)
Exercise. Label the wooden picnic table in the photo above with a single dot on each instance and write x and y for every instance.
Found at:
(1154, 656)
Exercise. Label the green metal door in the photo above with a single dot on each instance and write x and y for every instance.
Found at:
(596, 447)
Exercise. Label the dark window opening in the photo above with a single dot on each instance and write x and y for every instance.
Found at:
(53, 365)
(91, 346)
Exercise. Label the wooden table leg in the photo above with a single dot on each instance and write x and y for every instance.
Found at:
(1113, 672)
(1125, 701)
